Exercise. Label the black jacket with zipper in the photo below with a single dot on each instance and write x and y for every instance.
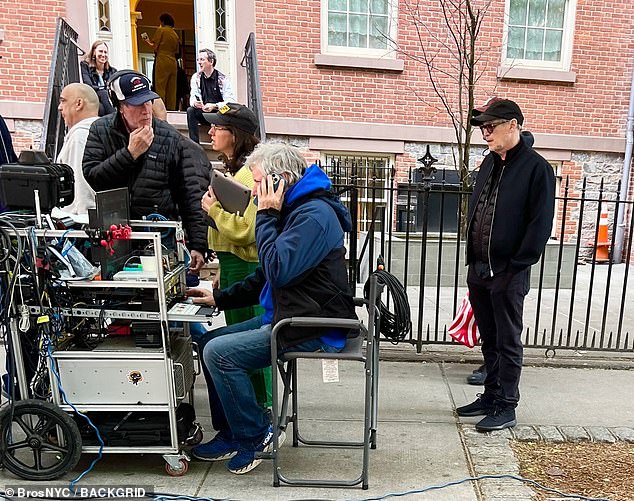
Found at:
(170, 178)
(523, 209)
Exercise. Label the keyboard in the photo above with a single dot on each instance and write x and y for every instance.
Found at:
(184, 309)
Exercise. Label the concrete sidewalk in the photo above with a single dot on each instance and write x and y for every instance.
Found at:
(420, 441)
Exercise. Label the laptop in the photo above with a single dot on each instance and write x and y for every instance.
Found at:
(232, 195)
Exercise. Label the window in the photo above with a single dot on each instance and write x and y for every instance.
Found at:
(104, 15)
(539, 33)
(221, 21)
(363, 27)
(369, 174)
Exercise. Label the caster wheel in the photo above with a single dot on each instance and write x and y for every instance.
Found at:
(177, 472)
(39, 440)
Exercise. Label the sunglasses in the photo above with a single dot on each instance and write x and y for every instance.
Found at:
(488, 128)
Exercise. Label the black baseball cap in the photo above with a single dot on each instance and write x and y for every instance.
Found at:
(132, 88)
(236, 115)
(497, 109)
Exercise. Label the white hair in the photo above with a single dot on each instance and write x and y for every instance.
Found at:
(277, 158)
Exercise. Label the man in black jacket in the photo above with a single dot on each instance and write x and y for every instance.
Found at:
(510, 219)
(165, 172)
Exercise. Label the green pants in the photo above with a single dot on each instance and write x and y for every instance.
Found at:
(232, 270)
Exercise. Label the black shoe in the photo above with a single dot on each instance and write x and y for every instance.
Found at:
(478, 376)
(482, 406)
(500, 418)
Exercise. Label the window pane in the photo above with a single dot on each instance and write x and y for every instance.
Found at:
(378, 7)
(537, 12)
(517, 12)
(337, 5)
(534, 44)
(378, 32)
(552, 47)
(556, 9)
(337, 30)
(358, 36)
(359, 6)
(515, 44)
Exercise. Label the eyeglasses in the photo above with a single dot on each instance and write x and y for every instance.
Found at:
(488, 128)
(216, 128)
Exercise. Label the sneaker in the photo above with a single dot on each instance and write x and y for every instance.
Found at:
(478, 376)
(482, 406)
(247, 459)
(500, 418)
(218, 448)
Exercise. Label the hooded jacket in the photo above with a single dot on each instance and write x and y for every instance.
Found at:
(72, 153)
(170, 178)
(522, 208)
(302, 260)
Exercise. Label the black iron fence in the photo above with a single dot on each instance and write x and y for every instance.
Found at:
(64, 70)
(579, 297)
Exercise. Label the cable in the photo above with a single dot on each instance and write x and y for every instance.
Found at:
(480, 477)
(398, 325)
(79, 413)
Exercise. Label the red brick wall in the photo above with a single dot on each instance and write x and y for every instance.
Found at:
(288, 35)
(29, 31)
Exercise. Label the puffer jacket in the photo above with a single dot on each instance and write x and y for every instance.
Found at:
(169, 179)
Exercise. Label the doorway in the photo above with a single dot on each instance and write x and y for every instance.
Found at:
(147, 21)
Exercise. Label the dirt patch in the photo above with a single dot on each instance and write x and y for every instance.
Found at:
(597, 470)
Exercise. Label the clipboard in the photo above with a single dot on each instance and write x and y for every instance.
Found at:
(232, 195)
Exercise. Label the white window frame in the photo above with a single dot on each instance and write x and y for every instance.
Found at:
(358, 51)
(365, 200)
(566, 42)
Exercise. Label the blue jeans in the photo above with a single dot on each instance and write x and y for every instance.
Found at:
(229, 354)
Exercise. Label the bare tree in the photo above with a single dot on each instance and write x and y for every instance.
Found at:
(448, 51)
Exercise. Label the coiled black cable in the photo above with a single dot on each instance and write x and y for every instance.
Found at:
(396, 325)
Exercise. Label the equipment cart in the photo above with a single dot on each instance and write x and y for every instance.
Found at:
(112, 355)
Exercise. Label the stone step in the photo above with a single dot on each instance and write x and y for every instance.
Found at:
(178, 119)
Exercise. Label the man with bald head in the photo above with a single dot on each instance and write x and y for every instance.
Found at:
(79, 107)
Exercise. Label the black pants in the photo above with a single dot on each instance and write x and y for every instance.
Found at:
(498, 306)
(194, 119)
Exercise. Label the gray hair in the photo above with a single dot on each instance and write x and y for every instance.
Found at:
(277, 158)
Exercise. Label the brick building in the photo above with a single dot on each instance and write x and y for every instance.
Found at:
(332, 83)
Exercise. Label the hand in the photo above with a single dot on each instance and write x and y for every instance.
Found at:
(209, 107)
(201, 296)
(209, 198)
(268, 198)
(215, 283)
(197, 261)
(199, 105)
(140, 141)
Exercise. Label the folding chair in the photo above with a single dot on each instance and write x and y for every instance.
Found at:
(353, 351)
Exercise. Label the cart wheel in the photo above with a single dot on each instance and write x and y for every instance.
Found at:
(196, 438)
(39, 440)
(177, 472)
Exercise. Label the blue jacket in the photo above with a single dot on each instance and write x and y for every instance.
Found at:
(302, 268)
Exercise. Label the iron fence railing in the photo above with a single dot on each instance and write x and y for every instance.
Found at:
(64, 70)
(576, 300)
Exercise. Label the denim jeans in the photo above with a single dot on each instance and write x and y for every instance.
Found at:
(229, 354)
(194, 118)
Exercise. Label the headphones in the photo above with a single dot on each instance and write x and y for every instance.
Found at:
(116, 76)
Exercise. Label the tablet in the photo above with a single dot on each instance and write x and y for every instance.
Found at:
(232, 195)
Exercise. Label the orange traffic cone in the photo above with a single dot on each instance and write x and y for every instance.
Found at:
(602, 251)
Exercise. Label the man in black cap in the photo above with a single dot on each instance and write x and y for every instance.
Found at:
(509, 222)
(165, 172)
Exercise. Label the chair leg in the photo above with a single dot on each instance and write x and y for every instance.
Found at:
(295, 417)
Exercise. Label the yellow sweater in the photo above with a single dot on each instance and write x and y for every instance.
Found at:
(235, 233)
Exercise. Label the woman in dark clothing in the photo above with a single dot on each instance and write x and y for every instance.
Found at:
(96, 71)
